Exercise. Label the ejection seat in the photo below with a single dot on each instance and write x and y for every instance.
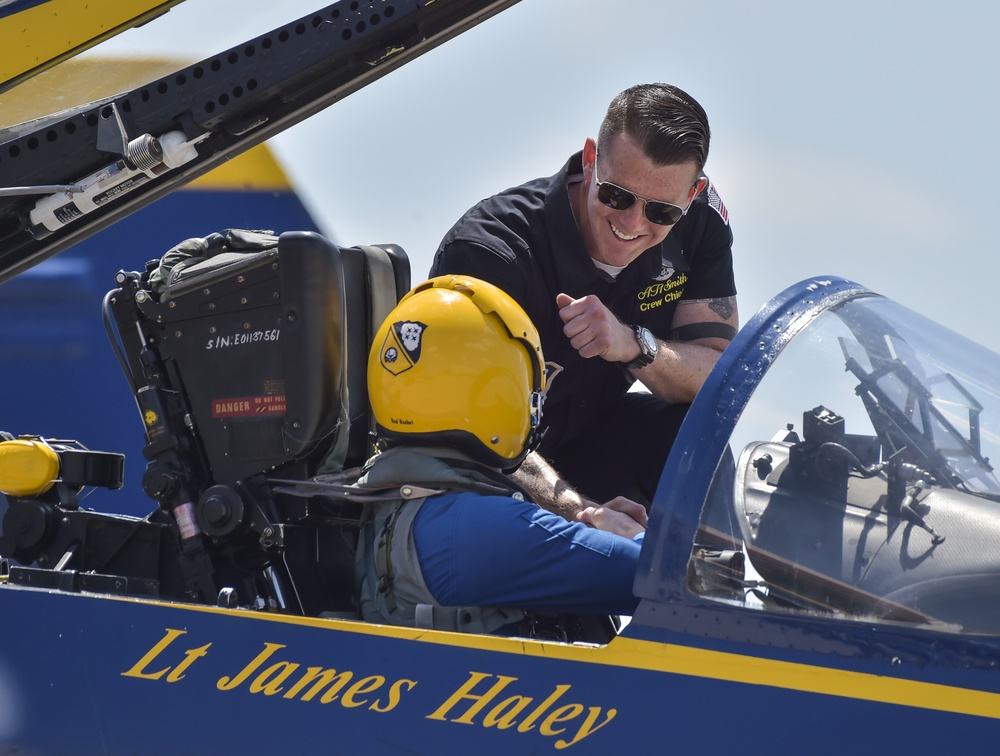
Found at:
(269, 337)
(246, 353)
(254, 349)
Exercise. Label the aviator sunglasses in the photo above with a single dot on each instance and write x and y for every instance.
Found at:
(619, 198)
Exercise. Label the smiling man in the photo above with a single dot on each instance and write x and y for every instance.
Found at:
(623, 260)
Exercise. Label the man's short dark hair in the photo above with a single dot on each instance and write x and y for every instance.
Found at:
(666, 122)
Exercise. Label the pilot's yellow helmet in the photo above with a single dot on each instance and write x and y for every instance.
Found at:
(458, 363)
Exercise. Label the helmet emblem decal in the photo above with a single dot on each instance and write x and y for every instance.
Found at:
(410, 333)
(401, 348)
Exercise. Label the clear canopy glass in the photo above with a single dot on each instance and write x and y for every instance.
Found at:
(858, 478)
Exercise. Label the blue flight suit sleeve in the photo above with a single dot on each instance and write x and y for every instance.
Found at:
(496, 551)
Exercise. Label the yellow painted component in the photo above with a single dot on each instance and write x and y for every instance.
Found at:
(27, 467)
(804, 678)
(40, 36)
(84, 79)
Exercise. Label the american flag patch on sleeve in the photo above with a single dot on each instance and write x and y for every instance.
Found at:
(715, 201)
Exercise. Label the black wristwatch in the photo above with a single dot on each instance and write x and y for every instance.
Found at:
(648, 347)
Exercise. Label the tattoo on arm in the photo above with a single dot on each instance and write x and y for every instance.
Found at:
(547, 489)
(724, 308)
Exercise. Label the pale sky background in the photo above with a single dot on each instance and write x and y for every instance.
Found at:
(854, 138)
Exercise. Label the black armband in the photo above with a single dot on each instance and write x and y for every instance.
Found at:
(703, 331)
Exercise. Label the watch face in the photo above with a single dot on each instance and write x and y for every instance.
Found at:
(648, 347)
(647, 341)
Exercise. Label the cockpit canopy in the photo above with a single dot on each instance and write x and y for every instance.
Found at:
(850, 443)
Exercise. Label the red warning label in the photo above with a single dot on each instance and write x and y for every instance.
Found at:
(248, 406)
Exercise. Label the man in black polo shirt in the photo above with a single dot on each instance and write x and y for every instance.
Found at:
(623, 261)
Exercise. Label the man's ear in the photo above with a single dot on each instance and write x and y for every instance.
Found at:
(589, 156)
(698, 187)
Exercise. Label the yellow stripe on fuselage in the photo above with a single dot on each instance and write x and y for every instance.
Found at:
(676, 660)
(40, 36)
(803, 678)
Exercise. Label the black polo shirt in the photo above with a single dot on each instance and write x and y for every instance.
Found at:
(526, 241)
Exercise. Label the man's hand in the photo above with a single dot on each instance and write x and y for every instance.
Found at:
(594, 331)
(633, 509)
(621, 516)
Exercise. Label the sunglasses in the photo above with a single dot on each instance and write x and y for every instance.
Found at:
(619, 198)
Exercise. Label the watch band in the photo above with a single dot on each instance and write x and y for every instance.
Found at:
(648, 348)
